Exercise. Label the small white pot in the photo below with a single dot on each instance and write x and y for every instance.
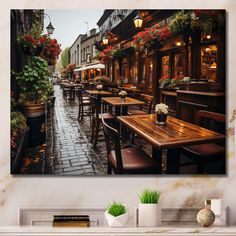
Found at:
(149, 215)
(119, 221)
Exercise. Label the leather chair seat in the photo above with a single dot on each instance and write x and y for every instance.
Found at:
(105, 116)
(135, 160)
(205, 150)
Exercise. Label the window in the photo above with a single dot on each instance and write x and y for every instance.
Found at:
(75, 58)
(150, 73)
(78, 61)
(178, 65)
(88, 50)
(208, 62)
(165, 67)
(94, 51)
(84, 54)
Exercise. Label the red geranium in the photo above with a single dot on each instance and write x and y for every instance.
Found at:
(145, 38)
(51, 49)
(106, 54)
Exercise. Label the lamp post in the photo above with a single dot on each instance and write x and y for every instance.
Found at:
(50, 27)
(105, 40)
(138, 20)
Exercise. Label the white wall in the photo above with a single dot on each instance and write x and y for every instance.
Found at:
(98, 191)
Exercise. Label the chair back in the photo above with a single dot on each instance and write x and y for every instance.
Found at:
(115, 91)
(148, 99)
(80, 96)
(113, 143)
(211, 120)
(95, 106)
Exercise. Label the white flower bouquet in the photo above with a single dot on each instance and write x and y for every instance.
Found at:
(123, 93)
(161, 108)
(99, 87)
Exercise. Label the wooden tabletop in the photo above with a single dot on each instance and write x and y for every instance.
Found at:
(116, 101)
(98, 92)
(71, 85)
(175, 134)
(131, 89)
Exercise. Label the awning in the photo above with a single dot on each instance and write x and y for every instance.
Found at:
(95, 66)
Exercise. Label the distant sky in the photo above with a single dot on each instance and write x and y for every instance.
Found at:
(69, 24)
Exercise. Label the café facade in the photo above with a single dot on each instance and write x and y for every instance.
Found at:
(177, 56)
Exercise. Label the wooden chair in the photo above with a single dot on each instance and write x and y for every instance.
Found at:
(144, 109)
(203, 154)
(127, 160)
(84, 106)
(97, 119)
(115, 91)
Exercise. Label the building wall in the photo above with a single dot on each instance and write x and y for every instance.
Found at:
(37, 191)
(88, 49)
(75, 57)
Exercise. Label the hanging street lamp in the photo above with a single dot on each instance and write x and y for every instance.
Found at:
(138, 21)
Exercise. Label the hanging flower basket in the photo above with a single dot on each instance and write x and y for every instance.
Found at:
(30, 46)
(51, 49)
(145, 38)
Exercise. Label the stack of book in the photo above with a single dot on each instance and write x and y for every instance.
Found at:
(71, 221)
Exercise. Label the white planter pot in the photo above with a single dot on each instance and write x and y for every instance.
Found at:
(149, 215)
(119, 221)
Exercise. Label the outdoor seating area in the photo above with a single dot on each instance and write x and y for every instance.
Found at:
(151, 102)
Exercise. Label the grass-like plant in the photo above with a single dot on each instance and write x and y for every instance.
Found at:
(149, 197)
(116, 209)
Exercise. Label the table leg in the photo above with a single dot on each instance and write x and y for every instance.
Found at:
(157, 155)
(124, 130)
(173, 161)
(70, 95)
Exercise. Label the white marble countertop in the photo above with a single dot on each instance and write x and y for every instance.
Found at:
(164, 231)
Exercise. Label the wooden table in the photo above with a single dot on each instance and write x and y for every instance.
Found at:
(172, 136)
(122, 106)
(121, 109)
(72, 87)
(99, 94)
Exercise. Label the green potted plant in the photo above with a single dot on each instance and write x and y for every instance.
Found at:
(19, 139)
(116, 215)
(33, 84)
(149, 209)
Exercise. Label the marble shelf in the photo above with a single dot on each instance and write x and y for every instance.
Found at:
(127, 231)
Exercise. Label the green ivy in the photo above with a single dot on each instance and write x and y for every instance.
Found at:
(34, 82)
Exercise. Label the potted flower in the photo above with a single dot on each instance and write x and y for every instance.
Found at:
(99, 87)
(161, 113)
(149, 209)
(164, 81)
(116, 215)
(122, 95)
(33, 84)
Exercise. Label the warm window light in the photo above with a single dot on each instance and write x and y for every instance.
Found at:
(105, 40)
(178, 43)
(208, 36)
(207, 49)
(213, 66)
(138, 21)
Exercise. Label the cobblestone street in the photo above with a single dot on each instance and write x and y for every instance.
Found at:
(72, 153)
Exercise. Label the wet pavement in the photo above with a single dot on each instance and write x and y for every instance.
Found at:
(71, 151)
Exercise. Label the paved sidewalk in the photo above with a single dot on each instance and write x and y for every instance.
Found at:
(72, 152)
